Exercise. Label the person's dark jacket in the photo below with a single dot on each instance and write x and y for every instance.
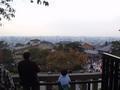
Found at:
(28, 73)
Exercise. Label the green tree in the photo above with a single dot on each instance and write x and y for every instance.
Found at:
(6, 53)
(7, 12)
(74, 45)
(3, 44)
(116, 48)
(7, 56)
(69, 46)
(39, 56)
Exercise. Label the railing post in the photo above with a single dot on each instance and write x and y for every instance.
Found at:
(105, 72)
(111, 74)
(48, 87)
(116, 83)
(72, 87)
(42, 87)
(95, 85)
(83, 86)
(89, 86)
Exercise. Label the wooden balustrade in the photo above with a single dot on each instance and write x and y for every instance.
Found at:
(110, 77)
(110, 72)
(85, 81)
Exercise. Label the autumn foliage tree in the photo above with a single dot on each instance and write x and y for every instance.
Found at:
(69, 56)
(66, 60)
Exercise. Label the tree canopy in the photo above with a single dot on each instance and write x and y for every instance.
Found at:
(6, 11)
(66, 60)
(116, 48)
(5, 53)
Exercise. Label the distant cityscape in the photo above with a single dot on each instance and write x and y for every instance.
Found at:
(47, 50)
(55, 39)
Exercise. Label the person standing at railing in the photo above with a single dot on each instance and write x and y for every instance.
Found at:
(6, 80)
(28, 73)
(64, 80)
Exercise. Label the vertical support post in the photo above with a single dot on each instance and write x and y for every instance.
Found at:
(116, 86)
(95, 86)
(105, 72)
(72, 87)
(49, 87)
(111, 74)
(83, 87)
(89, 86)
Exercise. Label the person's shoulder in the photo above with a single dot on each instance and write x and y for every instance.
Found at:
(32, 63)
(60, 75)
(21, 61)
(67, 75)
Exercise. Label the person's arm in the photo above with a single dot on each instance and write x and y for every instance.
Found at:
(59, 79)
(10, 79)
(68, 78)
(59, 84)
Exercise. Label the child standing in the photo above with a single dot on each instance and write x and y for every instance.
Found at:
(64, 81)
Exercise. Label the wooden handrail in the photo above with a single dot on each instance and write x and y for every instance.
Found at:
(112, 56)
(110, 72)
(83, 79)
(73, 82)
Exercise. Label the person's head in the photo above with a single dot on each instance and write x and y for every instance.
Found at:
(64, 72)
(26, 55)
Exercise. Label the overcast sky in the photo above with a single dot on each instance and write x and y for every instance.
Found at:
(64, 18)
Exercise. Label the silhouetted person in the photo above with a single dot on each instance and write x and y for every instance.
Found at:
(45, 3)
(28, 73)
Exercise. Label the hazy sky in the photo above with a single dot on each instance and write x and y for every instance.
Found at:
(64, 18)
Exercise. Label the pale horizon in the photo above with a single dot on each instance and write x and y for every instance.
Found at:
(90, 18)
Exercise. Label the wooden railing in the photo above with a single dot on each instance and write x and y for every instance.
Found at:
(80, 81)
(111, 72)
(110, 77)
